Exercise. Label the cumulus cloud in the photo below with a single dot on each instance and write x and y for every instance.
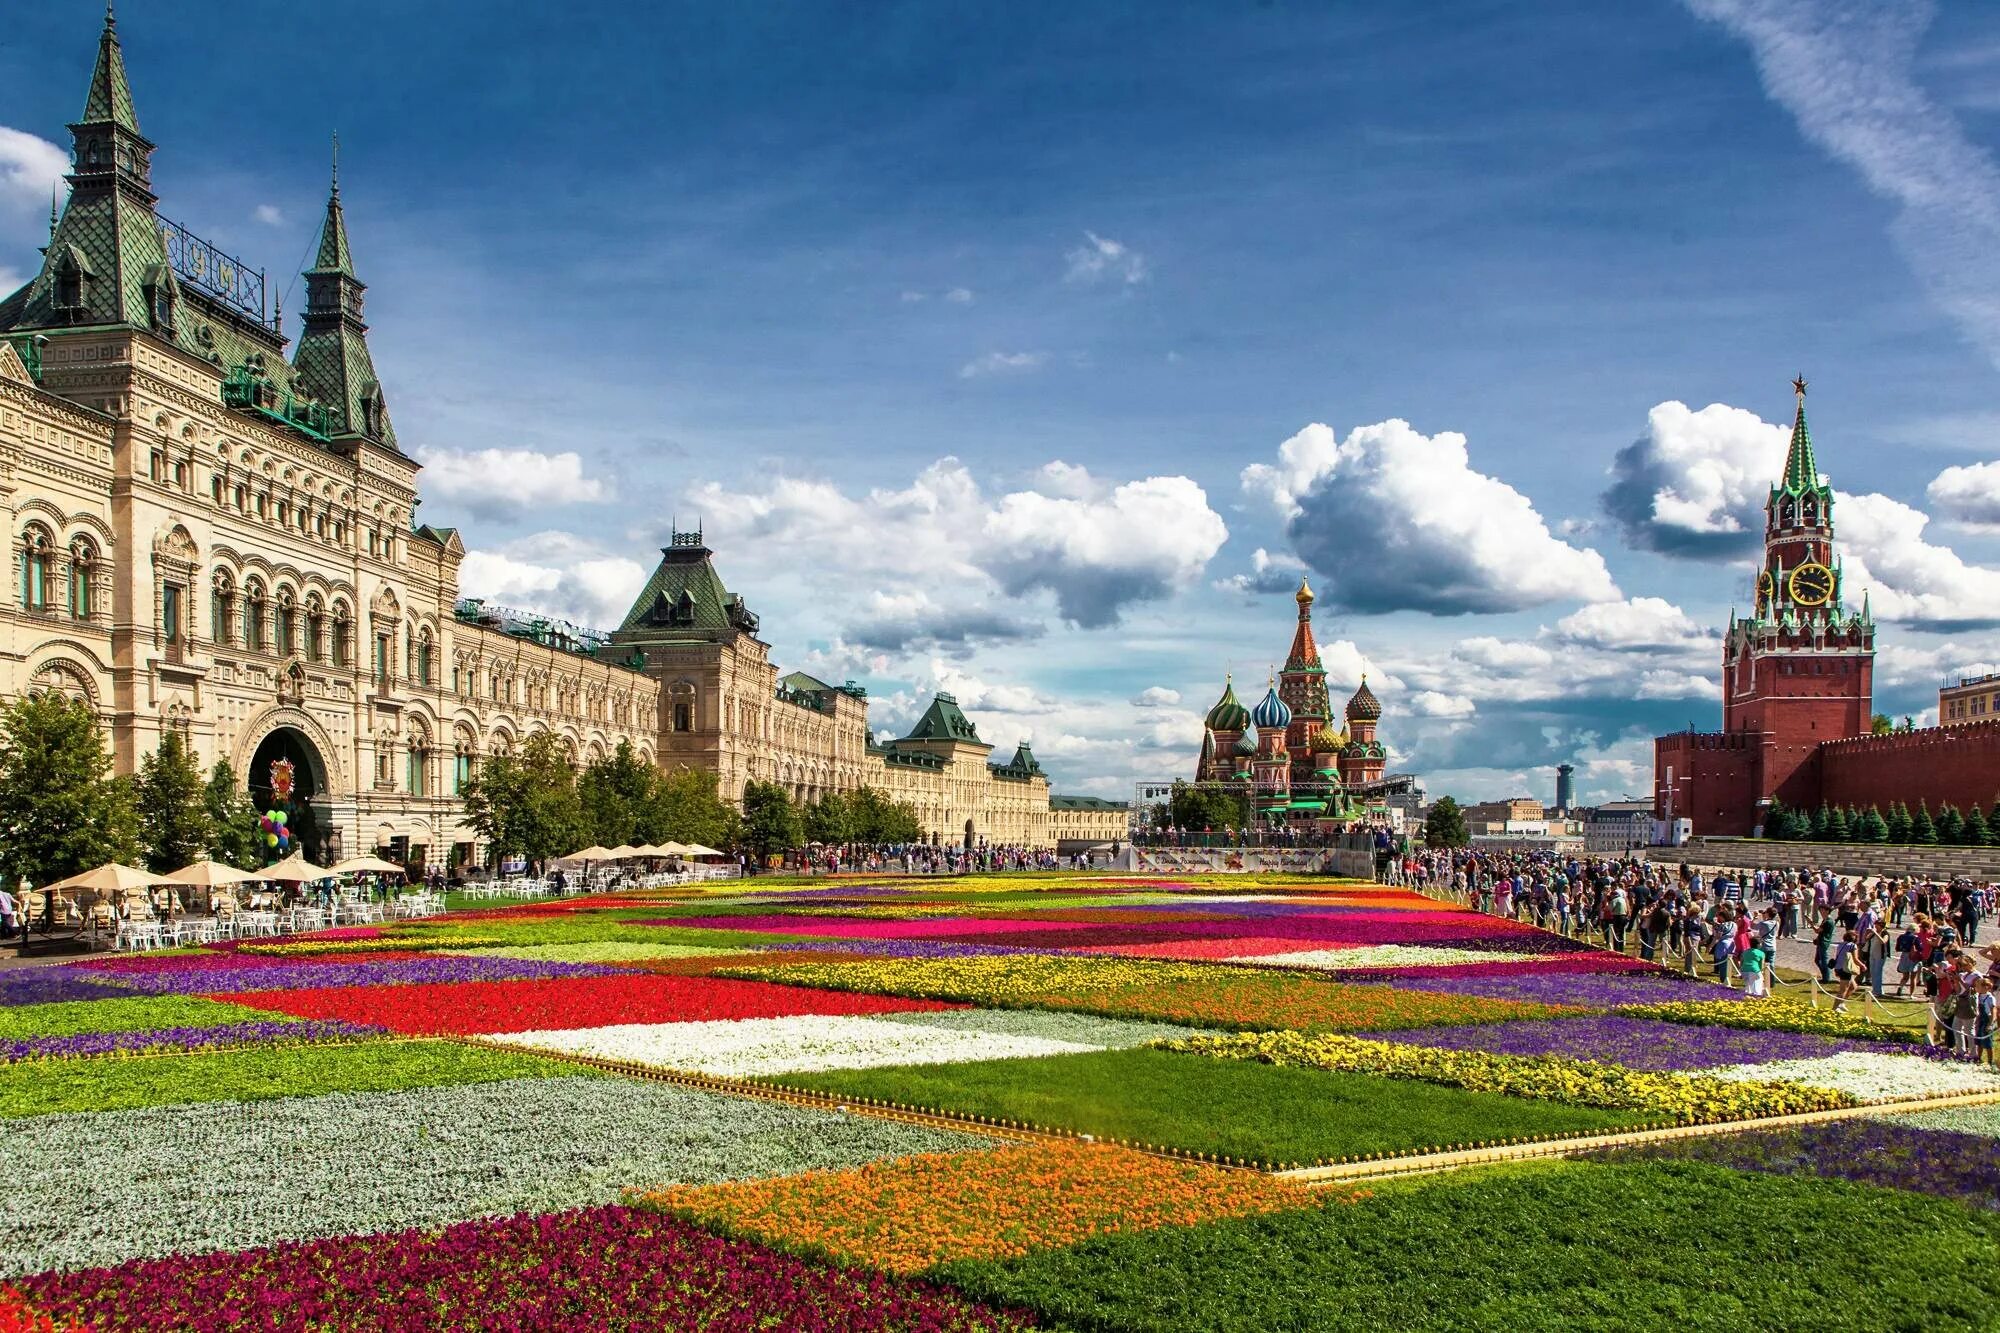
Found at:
(1270, 572)
(507, 481)
(1968, 495)
(1002, 363)
(1437, 703)
(555, 573)
(1906, 577)
(1156, 696)
(1694, 483)
(1846, 73)
(1637, 624)
(31, 175)
(1096, 548)
(1101, 259)
(1393, 519)
(268, 214)
(911, 622)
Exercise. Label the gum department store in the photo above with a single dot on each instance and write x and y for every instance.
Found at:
(209, 537)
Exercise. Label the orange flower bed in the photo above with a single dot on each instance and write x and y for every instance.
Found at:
(911, 1214)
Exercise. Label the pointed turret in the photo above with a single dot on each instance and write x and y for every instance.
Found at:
(110, 97)
(1801, 469)
(333, 362)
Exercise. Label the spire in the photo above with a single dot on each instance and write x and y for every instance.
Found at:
(1801, 469)
(332, 360)
(333, 253)
(110, 97)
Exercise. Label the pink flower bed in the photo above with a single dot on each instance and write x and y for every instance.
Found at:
(1199, 950)
(846, 928)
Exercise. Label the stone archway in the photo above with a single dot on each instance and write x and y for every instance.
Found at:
(968, 835)
(291, 733)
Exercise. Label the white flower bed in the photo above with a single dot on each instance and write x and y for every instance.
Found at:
(1109, 1034)
(747, 1047)
(1382, 955)
(105, 1187)
(1984, 1119)
(1871, 1077)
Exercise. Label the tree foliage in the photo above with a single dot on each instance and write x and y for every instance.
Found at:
(615, 795)
(527, 804)
(1445, 826)
(1191, 806)
(175, 825)
(234, 838)
(771, 823)
(61, 811)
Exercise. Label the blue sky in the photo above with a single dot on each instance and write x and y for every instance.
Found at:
(975, 335)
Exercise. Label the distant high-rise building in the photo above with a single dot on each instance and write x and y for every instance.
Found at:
(1565, 788)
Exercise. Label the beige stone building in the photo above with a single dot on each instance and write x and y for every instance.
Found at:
(208, 536)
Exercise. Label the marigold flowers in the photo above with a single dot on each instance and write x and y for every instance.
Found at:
(911, 1214)
(1773, 1013)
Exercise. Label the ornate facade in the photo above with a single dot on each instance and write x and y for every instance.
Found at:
(208, 536)
(1286, 751)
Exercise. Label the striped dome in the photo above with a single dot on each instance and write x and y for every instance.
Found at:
(1247, 742)
(1271, 711)
(1228, 714)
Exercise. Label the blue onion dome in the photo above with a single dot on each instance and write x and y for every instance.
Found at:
(1247, 742)
(1364, 706)
(1228, 714)
(1272, 712)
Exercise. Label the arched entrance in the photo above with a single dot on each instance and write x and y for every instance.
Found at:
(308, 785)
(968, 835)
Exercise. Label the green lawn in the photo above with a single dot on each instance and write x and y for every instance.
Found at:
(115, 1083)
(136, 1014)
(1264, 1113)
(1558, 1246)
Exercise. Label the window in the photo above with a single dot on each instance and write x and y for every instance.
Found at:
(242, 498)
(285, 623)
(69, 283)
(181, 475)
(215, 487)
(424, 660)
(35, 570)
(170, 612)
(253, 615)
(222, 609)
(457, 678)
(315, 629)
(418, 768)
(461, 771)
(343, 637)
(82, 572)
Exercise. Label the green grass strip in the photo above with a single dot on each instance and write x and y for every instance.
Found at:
(1559, 1247)
(137, 1014)
(115, 1083)
(1263, 1113)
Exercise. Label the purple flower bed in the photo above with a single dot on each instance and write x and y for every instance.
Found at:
(220, 958)
(55, 985)
(252, 1032)
(393, 972)
(1943, 1162)
(1636, 1043)
(583, 1271)
(1595, 989)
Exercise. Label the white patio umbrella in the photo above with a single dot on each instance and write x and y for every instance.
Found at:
(294, 869)
(696, 849)
(591, 854)
(670, 849)
(110, 878)
(624, 851)
(208, 875)
(363, 865)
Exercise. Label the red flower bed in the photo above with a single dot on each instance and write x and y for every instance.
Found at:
(867, 928)
(467, 1008)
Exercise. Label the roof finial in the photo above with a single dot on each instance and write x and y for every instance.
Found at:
(1799, 386)
(110, 18)
(55, 194)
(336, 164)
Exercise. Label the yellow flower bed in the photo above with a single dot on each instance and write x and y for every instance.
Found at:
(300, 948)
(1771, 1014)
(1681, 1097)
(992, 980)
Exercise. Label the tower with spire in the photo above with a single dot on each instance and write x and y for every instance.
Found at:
(332, 362)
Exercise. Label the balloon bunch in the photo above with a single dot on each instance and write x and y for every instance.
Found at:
(276, 834)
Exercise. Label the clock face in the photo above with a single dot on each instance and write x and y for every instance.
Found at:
(1765, 585)
(1811, 584)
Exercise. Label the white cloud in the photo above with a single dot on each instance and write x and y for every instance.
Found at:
(959, 295)
(1100, 258)
(1906, 577)
(1968, 495)
(910, 621)
(1677, 685)
(1270, 572)
(1393, 519)
(31, 171)
(555, 573)
(268, 214)
(912, 298)
(1637, 624)
(1694, 483)
(1002, 363)
(1845, 72)
(1156, 696)
(1436, 703)
(1096, 548)
(508, 481)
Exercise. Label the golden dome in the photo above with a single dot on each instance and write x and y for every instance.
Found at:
(1305, 593)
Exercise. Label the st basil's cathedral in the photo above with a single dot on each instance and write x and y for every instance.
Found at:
(1286, 751)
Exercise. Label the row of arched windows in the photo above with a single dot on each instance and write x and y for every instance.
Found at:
(251, 617)
(71, 581)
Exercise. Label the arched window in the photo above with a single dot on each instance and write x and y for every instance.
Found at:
(418, 764)
(465, 757)
(424, 657)
(315, 628)
(682, 710)
(82, 578)
(255, 614)
(222, 608)
(343, 635)
(35, 569)
(285, 624)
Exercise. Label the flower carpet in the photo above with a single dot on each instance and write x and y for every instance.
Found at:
(972, 1103)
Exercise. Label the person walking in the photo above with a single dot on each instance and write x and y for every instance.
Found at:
(1875, 950)
(1845, 969)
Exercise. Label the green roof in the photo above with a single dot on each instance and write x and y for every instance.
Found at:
(684, 599)
(332, 360)
(801, 683)
(943, 721)
(110, 96)
(1085, 803)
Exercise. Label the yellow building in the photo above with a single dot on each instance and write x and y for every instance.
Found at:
(211, 537)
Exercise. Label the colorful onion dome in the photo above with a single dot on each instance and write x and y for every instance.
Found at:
(1304, 596)
(1326, 740)
(1364, 706)
(1271, 711)
(1247, 742)
(1229, 714)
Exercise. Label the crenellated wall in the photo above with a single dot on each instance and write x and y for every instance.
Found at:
(1957, 765)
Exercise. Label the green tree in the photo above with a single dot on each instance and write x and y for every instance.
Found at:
(1774, 819)
(877, 819)
(1822, 823)
(174, 823)
(1873, 827)
(615, 794)
(1924, 830)
(1950, 827)
(527, 804)
(1978, 833)
(1854, 823)
(687, 808)
(234, 838)
(61, 811)
(1899, 823)
(1197, 807)
(1444, 826)
(1836, 825)
(1798, 826)
(830, 820)
(1881, 724)
(771, 823)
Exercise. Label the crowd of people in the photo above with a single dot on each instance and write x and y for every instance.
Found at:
(1894, 937)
